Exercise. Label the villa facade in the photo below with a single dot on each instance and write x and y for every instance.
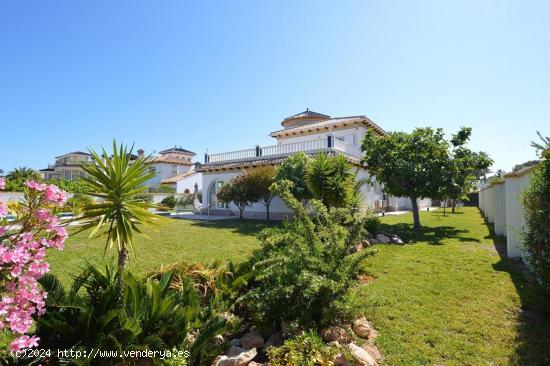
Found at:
(67, 166)
(174, 166)
(309, 132)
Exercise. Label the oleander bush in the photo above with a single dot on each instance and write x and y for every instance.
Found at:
(536, 199)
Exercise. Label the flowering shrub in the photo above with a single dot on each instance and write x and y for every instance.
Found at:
(23, 245)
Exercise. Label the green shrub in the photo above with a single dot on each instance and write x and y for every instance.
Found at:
(169, 201)
(307, 349)
(371, 223)
(151, 315)
(303, 267)
(77, 202)
(537, 221)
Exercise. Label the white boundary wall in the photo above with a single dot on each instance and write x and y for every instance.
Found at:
(500, 204)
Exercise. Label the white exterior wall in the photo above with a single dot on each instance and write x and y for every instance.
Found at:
(256, 210)
(490, 205)
(515, 219)
(370, 194)
(189, 183)
(352, 136)
(165, 171)
(499, 203)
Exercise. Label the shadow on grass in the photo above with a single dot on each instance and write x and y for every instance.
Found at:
(431, 235)
(245, 227)
(533, 319)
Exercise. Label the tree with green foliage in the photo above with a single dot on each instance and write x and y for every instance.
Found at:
(460, 172)
(74, 186)
(261, 179)
(117, 181)
(16, 178)
(239, 191)
(23, 173)
(330, 180)
(408, 164)
(294, 169)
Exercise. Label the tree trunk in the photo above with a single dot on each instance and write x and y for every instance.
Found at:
(267, 211)
(453, 205)
(122, 260)
(416, 217)
(444, 206)
(241, 210)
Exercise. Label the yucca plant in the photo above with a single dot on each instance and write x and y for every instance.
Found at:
(118, 181)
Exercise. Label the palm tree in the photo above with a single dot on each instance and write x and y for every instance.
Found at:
(545, 145)
(23, 173)
(117, 181)
(330, 179)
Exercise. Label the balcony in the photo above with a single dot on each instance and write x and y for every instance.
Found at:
(329, 144)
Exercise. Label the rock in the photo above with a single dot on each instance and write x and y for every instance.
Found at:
(340, 360)
(252, 339)
(395, 239)
(365, 242)
(234, 351)
(254, 363)
(362, 356)
(359, 247)
(274, 340)
(370, 235)
(335, 333)
(235, 342)
(382, 238)
(374, 241)
(373, 351)
(241, 359)
(362, 327)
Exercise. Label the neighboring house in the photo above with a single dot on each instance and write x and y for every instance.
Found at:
(308, 132)
(67, 166)
(174, 167)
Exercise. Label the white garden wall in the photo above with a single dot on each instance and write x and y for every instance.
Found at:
(501, 205)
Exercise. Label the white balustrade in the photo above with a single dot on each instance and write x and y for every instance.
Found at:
(309, 146)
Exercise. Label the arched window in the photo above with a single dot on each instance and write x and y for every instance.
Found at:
(213, 190)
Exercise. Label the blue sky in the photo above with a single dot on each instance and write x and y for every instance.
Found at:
(221, 75)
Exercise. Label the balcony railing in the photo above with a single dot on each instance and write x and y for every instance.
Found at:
(310, 146)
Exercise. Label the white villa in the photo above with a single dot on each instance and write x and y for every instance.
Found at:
(66, 166)
(308, 132)
(172, 166)
(175, 167)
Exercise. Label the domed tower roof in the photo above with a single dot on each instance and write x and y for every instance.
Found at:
(305, 118)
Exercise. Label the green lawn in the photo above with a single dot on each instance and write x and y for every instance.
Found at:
(174, 241)
(451, 299)
(448, 299)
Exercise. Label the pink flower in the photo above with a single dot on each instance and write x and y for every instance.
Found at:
(2, 183)
(22, 263)
(35, 185)
(24, 341)
(3, 209)
(52, 194)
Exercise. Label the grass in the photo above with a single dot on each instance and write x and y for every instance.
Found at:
(451, 298)
(175, 241)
